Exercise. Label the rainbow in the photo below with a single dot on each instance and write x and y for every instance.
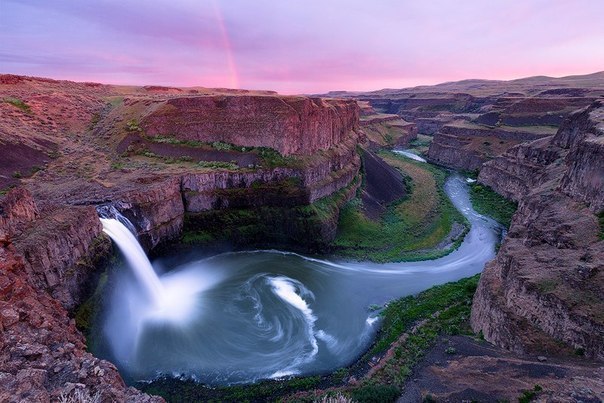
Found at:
(232, 67)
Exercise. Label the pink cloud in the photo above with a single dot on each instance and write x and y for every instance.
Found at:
(299, 46)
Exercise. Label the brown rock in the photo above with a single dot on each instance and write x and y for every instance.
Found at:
(547, 282)
(291, 125)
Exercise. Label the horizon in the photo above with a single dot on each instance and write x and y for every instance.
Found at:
(335, 90)
(299, 47)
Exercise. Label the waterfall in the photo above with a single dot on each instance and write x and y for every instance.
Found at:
(117, 228)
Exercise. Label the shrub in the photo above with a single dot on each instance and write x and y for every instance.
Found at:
(486, 201)
(219, 145)
(80, 396)
(376, 394)
(132, 126)
(218, 165)
(337, 398)
(18, 103)
(451, 350)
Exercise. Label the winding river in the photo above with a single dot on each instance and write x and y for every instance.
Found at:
(245, 316)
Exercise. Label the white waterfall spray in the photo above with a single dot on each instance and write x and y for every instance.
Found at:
(136, 258)
(168, 298)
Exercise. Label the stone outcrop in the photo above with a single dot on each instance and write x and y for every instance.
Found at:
(61, 247)
(521, 168)
(388, 130)
(16, 209)
(572, 155)
(42, 355)
(467, 146)
(546, 285)
(290, 125)
(281, 186)
(155, 209)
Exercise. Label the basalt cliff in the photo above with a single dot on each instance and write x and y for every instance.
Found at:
(196, 165)
(472, 121)
(545, 289)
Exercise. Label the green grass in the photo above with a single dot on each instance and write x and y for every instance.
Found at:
(410, 228)
(18, 103)
(488, 202)
(218, 165)
(269, 157)
(530, 395)
(133, 126)
(401, 314)
(601, 221)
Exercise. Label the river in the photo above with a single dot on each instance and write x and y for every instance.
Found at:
(244, 316)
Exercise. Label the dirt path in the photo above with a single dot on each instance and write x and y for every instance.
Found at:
(460, 368)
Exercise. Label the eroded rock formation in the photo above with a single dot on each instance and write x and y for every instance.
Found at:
(291, 125)
(467, 146)
(42, 355)
(546, 285)
(93, 145)
(473, 121)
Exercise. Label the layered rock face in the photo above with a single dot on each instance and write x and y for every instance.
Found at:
(522, 168)
(290, 125)
(61, 247)
(51, 239)
(474, 121)
(388, 130)
(467, 146)
(547, 283)
(42, 355)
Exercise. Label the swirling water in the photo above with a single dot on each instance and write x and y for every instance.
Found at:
(243, 316)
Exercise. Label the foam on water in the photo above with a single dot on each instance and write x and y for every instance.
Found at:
(410, 155)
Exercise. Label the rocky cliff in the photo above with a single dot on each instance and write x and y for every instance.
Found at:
(546, 285)
(290, 125)
(42, 355)
(61, 247)
(467, 146)
(474, 121)
(383, 130)
(95, 145)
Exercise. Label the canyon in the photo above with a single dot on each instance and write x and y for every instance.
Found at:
(77, 146)
(472, 121)
(240, 168)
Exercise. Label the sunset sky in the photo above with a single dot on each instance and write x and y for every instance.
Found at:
(299, 46)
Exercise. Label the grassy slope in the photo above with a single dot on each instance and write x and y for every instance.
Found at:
(410, 228)
(486, 201)
(385, 134)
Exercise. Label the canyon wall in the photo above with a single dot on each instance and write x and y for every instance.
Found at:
(51, 241)
(388, 130)
(474, 121)
(42, 355)
(547, 282)
(290, 125)
(467, 146)
(61, 247)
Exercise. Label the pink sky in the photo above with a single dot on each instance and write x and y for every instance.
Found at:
(299, 46)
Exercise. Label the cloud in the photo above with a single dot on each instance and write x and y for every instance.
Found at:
(299, 45)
